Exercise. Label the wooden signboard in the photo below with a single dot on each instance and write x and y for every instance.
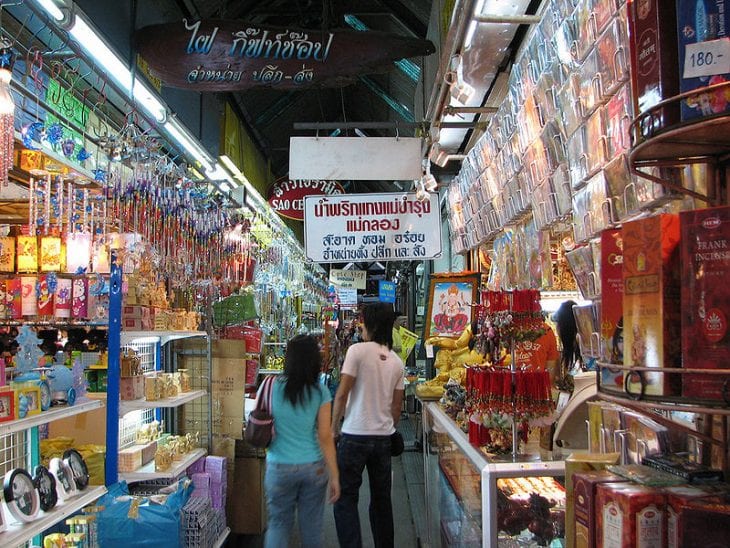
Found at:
(222, 55)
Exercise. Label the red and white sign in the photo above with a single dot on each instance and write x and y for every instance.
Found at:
(286, 196)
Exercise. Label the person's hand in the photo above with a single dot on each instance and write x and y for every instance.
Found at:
(333, 488)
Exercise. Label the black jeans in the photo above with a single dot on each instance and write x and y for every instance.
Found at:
(354, 453)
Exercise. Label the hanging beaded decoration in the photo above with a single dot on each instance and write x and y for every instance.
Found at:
(7, 112)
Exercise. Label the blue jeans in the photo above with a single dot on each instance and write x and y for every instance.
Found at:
(354, 453)
(295, 487)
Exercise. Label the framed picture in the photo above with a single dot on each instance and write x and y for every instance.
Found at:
(27, 401)
(451, 300)
(7, 404)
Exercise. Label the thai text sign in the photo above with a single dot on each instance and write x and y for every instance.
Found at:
(286, 196)
(348, 278)
(386, 291)
(221, 55)
(371, 227)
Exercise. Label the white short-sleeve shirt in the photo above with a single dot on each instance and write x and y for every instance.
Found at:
(378, 371)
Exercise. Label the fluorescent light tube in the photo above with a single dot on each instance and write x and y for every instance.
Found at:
(233, 168)
(177, 132)
(51, 9)
(144, 97)
(101, 53)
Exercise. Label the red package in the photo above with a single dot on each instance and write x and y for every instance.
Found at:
(629, 515)
(705, 299)
(679, 498)
(584, 499)
(14, 298)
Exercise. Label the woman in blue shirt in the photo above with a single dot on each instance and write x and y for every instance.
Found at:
(301, 460)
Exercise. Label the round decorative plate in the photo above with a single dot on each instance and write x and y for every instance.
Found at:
(45, 483)
(78, 466)
(20, 495)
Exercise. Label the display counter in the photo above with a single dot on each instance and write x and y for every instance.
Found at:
(476, 499)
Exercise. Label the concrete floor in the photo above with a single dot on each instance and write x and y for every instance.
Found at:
(407, 497)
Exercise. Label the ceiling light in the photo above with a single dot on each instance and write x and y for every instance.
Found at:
(51, 9)
(90, 41)
(233, 168)
(179, 134)
(146, 98)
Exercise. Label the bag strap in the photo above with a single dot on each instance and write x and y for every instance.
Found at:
(264, 398)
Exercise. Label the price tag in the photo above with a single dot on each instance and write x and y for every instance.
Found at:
(707, 58)
(429, 351)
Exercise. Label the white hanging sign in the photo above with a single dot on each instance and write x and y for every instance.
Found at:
(348, 278)
(371, 227)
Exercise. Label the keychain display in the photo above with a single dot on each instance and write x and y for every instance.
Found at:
(78, 467)
(45, 483)
(21, 495)
(65, 483)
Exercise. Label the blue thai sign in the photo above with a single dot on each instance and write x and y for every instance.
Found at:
(386, 291)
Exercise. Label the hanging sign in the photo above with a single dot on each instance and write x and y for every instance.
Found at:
(347, 296)
(386, 291)
(221, 55)
(348, 278)
(286, 196)
(371, 227)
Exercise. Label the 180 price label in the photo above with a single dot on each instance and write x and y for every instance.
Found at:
(707, 58)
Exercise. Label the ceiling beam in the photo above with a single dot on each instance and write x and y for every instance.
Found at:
(407, 17)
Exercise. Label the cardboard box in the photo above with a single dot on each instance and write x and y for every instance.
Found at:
(130, 459)
(247, 514)
(136, 312)
(228, 387)
(629, 515)
(131, 388)
(651, 302)
(702, 33)
(705, 299)
(612, 310)
(576, 463)
(583, 499)
(653, 46)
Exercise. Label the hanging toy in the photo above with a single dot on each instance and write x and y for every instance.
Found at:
(7, 112)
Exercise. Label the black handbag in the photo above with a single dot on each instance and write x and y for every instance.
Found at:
(260, 425)
(396, 444)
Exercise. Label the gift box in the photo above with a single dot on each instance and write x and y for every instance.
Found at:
(14, 298)
(131, 388)
(27, 253)
(217, 468)
(29, 299)
(136, 312)
(679, 498)
(7, 254)
(201, 480)
(629, 515)
(218, 495)
(62, 303)
(45, 296)
(612, 294)
(705, 299)
(196, 467)
(705, 523)
(584, 499)
(130, 459)
(651, 303)
(50, 254)
(79, 298)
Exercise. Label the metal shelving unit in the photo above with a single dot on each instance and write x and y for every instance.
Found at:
(133, 405)
(147, 472)
(18, 533)
(52, 414)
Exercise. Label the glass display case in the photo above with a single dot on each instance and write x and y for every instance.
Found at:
(476, 499)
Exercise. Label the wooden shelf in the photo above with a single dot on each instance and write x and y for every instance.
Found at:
(125, 406)
(19, 533)
(128, 337)
(147, 472)
(54, 413)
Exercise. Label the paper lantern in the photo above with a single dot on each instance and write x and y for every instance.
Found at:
(29, 300)
(45, 296)
(100, 255)
(7, 254)
(78, 252)
(50, 254)
(13, 298)
(80, 298)
(62, 305)
(27, 254)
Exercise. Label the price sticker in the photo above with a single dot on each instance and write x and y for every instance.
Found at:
(707, 58)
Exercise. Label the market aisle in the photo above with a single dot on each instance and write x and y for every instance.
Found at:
(405, 535)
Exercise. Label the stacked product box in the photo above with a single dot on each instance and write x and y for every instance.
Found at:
(705, 300)
(584, 497)
(651, 303)
(703, 27)
(653, 45)
(612, 287)
(216, 468)
(629, 515)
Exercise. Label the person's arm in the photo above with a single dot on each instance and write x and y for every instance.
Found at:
(397, 405)
(343, 392)
(327, 444)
